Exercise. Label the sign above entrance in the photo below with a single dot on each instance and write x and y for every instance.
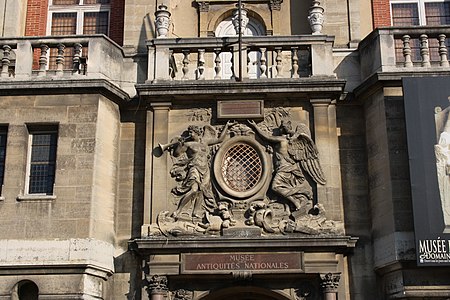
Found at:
(245, 109)
(220, 263)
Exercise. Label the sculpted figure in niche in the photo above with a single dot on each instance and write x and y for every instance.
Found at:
(442, 152)
(192, 170)
(294, 152)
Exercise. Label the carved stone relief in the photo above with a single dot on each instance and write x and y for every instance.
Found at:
(247, 176)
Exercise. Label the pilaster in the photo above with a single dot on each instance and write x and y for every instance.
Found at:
(326, 138)
(160, 164)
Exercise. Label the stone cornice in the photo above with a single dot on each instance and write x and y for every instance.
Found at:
(325, 87)
(64, 86)
(338, 244)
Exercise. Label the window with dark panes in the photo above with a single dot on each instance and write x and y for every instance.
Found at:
(96, 23)
(42, 162)
(419, 12)
(405, 14)
(3, 135)
(437, 13)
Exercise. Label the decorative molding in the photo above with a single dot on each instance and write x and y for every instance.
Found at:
(275, 4)
(330, 282)
(157, 284)
(203, 6)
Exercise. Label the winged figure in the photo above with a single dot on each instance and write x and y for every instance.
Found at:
(294, 154)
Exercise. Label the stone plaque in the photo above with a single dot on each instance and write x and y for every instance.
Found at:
(277, 262)
(240, 109)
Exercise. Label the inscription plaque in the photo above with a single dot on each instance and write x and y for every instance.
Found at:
(240, 109)
(279, 262)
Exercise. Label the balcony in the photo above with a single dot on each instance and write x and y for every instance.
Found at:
(58, 62)
(223, 65)
(405, 50)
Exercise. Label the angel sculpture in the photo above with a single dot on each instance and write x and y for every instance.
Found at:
(193, 169)
(294, 152)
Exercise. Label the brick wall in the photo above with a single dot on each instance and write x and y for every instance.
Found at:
(36, 20)
(381, 13)
(37, 11)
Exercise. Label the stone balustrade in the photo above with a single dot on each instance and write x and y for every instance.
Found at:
(265, 57)
(405, 49)
(94, 57)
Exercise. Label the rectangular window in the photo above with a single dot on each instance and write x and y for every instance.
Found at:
(42, 160)
(3, 135)
(64, 23)
(96, 23)
(420, 12)
(437, 13)
(405, 14)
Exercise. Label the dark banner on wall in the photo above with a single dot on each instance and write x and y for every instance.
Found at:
(427, 111)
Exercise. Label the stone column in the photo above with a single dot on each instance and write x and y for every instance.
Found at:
(329, 284)
(275, 8)
(326, 139)
(203, 9)
(160, 167)
(157, 287)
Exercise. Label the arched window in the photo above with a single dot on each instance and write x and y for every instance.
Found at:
(226, 28)
(25, 290)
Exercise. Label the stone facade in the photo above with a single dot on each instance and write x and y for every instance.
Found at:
(196, 166)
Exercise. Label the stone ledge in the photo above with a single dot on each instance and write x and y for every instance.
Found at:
(36, 198)
(338, 244)
(37, 86)
(73, 252)
(325, 86)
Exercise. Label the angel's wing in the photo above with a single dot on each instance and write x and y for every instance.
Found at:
(304, 151)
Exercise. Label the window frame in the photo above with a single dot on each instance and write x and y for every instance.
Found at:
(40, 129)
(80, 9)
(420, 7)
(3, 131)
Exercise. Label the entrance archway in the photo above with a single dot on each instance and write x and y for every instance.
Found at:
(244, 293)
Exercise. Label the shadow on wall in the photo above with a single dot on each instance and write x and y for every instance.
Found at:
(299, 17)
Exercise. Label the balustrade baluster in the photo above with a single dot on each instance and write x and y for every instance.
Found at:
(295, 62)
(60, 59)
(247, 53)
(185, 68)
(425, 50)
(407, 51)
(76, 57)
(43, 60)
(443, 52)
(217, 62)
(263, 60)
(5, 61)
(201, 64)
(278, 60)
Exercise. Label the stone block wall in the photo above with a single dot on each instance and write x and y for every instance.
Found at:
(74, 227)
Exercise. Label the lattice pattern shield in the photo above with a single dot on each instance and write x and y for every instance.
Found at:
(241, 167)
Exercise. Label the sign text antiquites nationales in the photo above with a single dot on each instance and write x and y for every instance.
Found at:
(278, 262)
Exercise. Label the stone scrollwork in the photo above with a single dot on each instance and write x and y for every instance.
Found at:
(182, 294)
(275, 4)
(156, 284)
(246, 175)
(330, 282)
